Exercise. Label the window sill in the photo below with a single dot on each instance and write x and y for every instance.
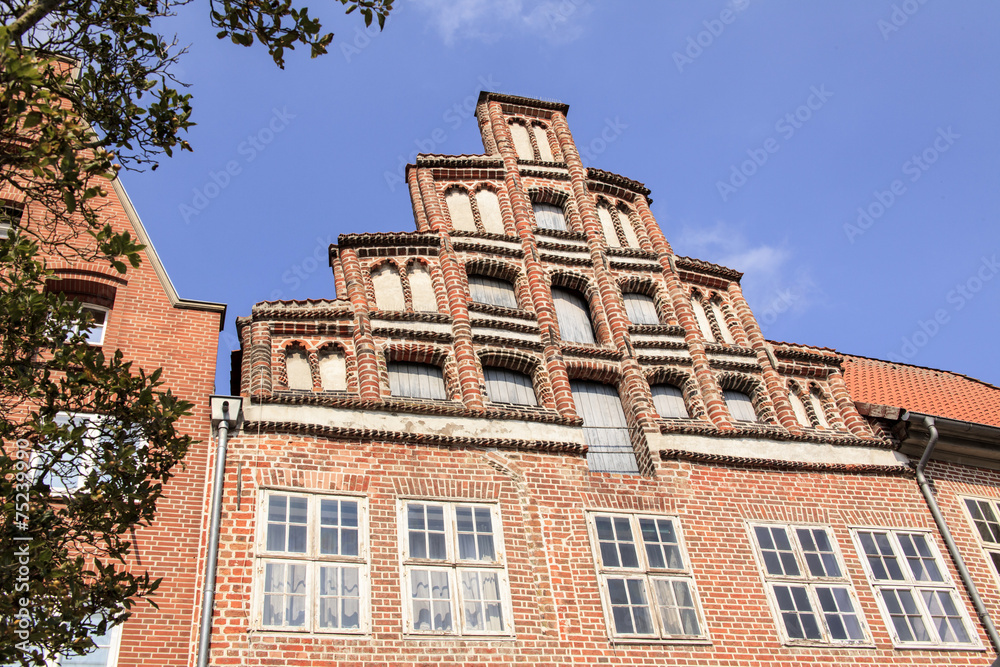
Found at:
(632, 641)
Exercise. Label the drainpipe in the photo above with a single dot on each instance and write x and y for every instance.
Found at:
(223, 410)
(963, 571)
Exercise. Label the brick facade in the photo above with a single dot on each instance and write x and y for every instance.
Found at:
(155, 328)
(809, 459)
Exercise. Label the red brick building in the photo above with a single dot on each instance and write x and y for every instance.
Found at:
(529, 432)
(141, 314)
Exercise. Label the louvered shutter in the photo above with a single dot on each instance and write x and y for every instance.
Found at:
(573, 317)
(605, 429)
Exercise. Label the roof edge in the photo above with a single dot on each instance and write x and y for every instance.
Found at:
(154, 259)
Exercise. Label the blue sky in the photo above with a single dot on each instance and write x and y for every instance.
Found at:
(843, 154)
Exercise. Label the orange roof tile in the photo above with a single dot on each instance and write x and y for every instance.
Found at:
(925, 390)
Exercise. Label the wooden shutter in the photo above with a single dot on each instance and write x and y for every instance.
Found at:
(549, 216)
(641, 309)
(507, 386)
(740, 406)
(573, 316)
(416, 380)
(669, 401)
(494, 291)
(605, 429)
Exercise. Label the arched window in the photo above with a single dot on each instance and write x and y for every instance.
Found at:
(817, 404)
(97, 325)
(740, 406)
(416, 380)
(669, 401)
(422, 289)
(640, 308)
(720, 317)
(489, 212)
(460, 210)
(799, 408)
(388, 288)
(573, 316)
(605, 429)
(625, 218)
(332, 370)
(549, 216)
(542, 141)
(507, 386)
(608, 226)
(297, 369)
(494, 291)
(703, 324)
(522, 142)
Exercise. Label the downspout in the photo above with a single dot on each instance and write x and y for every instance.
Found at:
(223, 421)
(949, 541)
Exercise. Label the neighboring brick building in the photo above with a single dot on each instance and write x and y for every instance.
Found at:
(528, 432)
(141, 314)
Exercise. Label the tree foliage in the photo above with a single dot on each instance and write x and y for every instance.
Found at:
(86, 89)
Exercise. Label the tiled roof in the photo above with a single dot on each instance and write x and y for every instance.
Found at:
(925, 390)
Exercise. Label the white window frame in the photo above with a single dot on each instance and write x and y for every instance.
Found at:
(114, 646)
(313, 560)
(453, 566)
(86, 459)
(648, 575)
(810, 582)
(990, 550)
(909, 582)
(93, 329)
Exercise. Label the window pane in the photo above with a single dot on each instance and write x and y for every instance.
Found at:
(506, 386)
(338, 527)
(660, 539)
(945, 618)
(669, 401)
(549, 216)
(630, 606)
(426, 531)
(838, 611)
(99, 657)
(481, 600)
(286, 523)
(818, 550)
(881, 557)
(340, 597)
(676, 606)
(416, 380)
(918, 555)
(430, 594)
(475, 533)
(641, 309)
(985, 518)
(905, 615)
(776, 549)
(284, 594)
(573, 316)
(617, 547)
(797, 612)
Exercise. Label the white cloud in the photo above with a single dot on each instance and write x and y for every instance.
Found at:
(558, 21)
(773, 286)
